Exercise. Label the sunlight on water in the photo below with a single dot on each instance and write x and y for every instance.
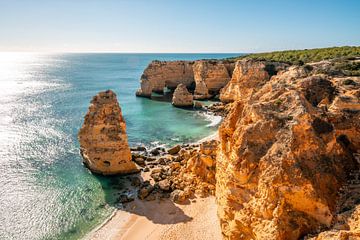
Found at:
(46, 193)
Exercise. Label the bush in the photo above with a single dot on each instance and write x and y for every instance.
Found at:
(301, 57)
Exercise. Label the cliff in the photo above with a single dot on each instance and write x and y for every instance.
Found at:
(103, 140)
(205, 77)
(210, 77)
(248, 76)
(161, 74)
(287, 147)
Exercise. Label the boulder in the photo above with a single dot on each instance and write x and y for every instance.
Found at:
(198, 105)
(145, 190)
(177, 196)
(174, 150)
(182, 97)
(103, 140)
(164, 185)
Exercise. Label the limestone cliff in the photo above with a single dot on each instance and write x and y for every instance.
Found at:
(248, 76)
(182, 97)
(161, 74)
(207, 77)
(103, 140)
(286, 149)
(210, 77)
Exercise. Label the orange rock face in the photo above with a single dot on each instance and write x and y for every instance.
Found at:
(103, 140)
(286, 148)
(248, 76)
(210, 77)
(161, 74)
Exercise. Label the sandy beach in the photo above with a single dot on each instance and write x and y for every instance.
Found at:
(196, 219)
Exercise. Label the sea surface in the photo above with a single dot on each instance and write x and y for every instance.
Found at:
(45, 191)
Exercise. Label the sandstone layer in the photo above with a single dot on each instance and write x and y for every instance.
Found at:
(182, 97)
(103, 140)
(286, 148)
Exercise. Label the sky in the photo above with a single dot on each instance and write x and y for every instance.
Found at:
(157, 26)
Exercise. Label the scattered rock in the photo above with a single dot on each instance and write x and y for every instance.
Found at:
(164, 185)
(140, 161)
(177, 196)
(198, 105)
(145, 190)
(174, 150)
(135, 181)
(155, 152)
(138, 149)
(125, 198)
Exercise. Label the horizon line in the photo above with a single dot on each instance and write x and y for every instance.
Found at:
(134, 52)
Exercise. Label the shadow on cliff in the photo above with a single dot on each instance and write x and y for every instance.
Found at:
(166, 97)
(158, 211)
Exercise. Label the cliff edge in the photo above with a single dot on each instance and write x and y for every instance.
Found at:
(287, 147)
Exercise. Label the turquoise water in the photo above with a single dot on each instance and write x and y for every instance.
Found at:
(46, 193)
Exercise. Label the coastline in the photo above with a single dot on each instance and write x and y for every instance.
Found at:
(128, 223)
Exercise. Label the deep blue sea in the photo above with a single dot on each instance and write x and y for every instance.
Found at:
(45, 191)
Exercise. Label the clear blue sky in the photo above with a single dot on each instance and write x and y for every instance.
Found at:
(177, 25)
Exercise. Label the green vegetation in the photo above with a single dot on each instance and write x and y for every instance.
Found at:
(300, 57)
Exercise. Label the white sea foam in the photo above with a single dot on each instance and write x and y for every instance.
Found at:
(213, 119)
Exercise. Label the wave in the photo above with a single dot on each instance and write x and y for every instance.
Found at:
(213, 119)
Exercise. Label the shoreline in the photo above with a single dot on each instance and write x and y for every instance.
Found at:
(122, 224)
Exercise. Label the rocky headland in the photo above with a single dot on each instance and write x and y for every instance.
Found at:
(286, 161)
(204, 77)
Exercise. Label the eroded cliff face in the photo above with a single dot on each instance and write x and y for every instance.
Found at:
(103, 140)
(286, 148)
(161, 74)
(207, 77)
(210, 77)
(248, 76)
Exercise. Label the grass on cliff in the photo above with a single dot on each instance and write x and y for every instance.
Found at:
(300, 57)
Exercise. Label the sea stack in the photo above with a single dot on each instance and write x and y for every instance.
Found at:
(182, 97)
(103, 140)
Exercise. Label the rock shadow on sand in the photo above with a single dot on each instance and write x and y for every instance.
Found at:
(121, 192)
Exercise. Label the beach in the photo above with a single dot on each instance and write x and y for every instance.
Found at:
(196, 218)
(163, 219)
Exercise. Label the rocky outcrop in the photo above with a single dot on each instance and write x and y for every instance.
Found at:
(196, 171)
(182, 97)
(103, 140)
(207, 77)
(210, 77)
(286, 148)
(248, 77)
(161, 74)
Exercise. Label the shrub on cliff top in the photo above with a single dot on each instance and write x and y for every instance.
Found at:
(300, 57)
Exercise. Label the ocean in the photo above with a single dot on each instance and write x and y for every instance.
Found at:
(46, 192)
